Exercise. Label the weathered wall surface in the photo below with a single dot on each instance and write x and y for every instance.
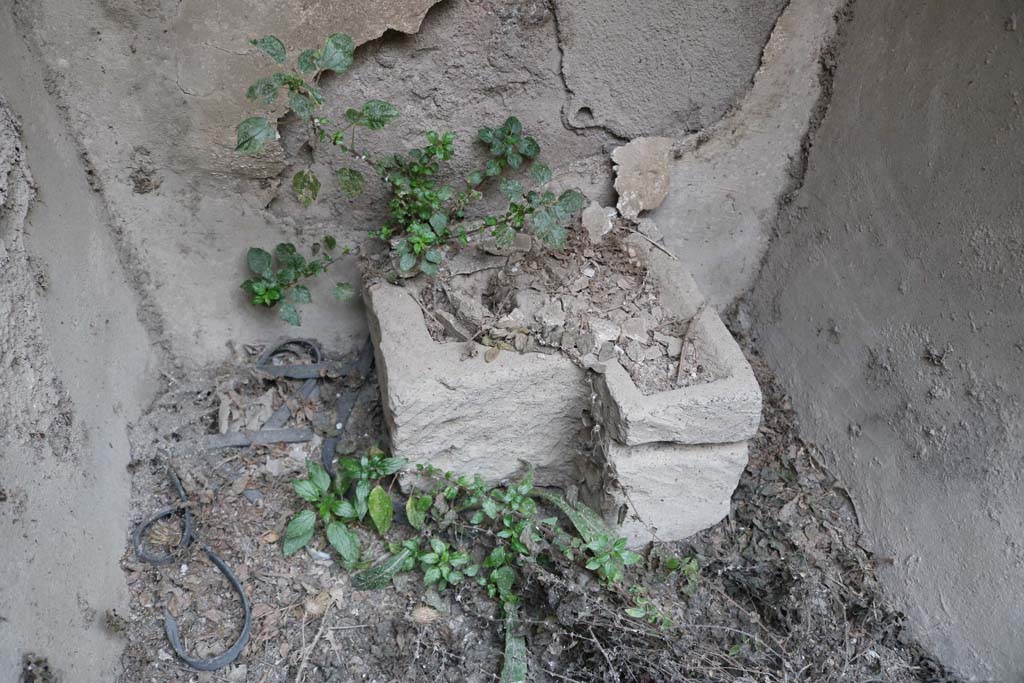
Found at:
(660, 66)
(76, 365)
(891, 305)
(153, 90)
(131, 257)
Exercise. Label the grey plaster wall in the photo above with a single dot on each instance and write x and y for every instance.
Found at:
(127, 267)
(891, 305)
(152, 90)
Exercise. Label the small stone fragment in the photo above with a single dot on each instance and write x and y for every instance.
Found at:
(642, 175)
(598, 221)
(635, 328)
(654, 352)
(514, 320)
(607, 352)
(586, 343)
(529, 301)
(635, 351)
(452, 326)
(253, 496)
(551, 314)
(604, 330)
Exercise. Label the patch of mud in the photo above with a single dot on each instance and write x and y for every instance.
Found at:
(780, 590)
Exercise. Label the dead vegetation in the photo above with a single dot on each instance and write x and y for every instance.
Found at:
(779, 591)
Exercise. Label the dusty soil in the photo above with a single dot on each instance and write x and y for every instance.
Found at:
(592, 302)
(781, 590)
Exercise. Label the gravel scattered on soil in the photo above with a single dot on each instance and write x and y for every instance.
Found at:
(783, 591)
(592, 302)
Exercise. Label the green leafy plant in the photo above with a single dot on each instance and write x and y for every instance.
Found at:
(644, 608)
(341, 503)
(278, 277)
(463, 533)
(330, 507)
(688, 569)
(444, 566)
(428, 215)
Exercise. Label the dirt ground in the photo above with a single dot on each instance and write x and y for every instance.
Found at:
(778, 591)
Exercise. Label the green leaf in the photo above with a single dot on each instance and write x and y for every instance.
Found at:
(258, 260)
(337, 53)
(306, 187)
(431, 576)
(263, 90)
(571, 201)
(344, 541)
(438, 222)
(512, 125)
(342, 291)
(308, 60)
(493, 167)
(253, 134)
(381, 511)
(513, 670)
(514, 159)
(547, 229)
(299, 532)
(354, 116)
(416, 518)
(289, 313)
(433, 256)
(306, 490)
(344, 509)
(513, 189)
(490, 507)
(271, 46)
(590, 526)
(380, 575)
(362, 493)
(629, 557)
(504, 578)
(329, 242)
(407, 262)
(416, 510)
(301, 105)
(486, 135)
(391, 465)
(301, 295)
(318, 475)
(529, 148)
(540, 172)
(377, 114)
(475, 178)
(351, 181)
(636, 612)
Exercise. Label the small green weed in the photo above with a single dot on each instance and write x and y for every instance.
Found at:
(462, 532)
(427, 215)
(277, 278)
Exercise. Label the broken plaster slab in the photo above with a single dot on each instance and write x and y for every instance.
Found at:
(729, 179)
(445, 404)
(661, 66)
(724, 410)
(668, 491)
(642, 175)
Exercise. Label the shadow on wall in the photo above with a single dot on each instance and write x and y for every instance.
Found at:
(891, 304)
